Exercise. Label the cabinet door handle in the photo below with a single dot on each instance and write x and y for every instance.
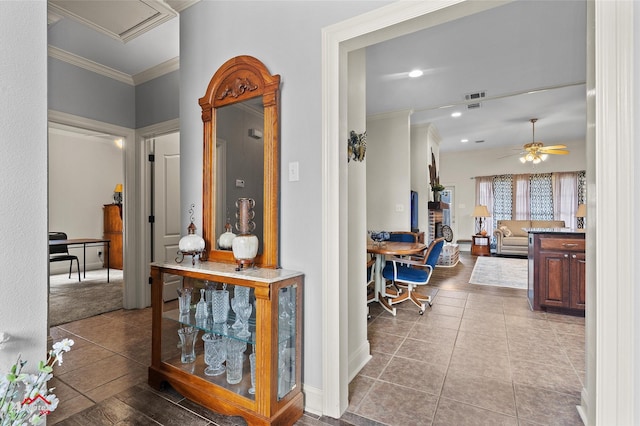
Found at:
(569, 245)
(566, 255)
(574, 256)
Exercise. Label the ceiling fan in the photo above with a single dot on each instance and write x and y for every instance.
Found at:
(536, 152)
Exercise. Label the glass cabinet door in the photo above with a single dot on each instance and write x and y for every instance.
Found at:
(287, 317)
(209, 331)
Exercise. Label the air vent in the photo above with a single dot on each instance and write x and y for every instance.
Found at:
(473, 96)
(480, 141)
(474, 105)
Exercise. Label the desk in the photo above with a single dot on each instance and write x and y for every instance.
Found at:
(390, 248)
(84, 242)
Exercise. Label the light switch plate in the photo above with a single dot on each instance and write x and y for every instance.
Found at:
(294, 171)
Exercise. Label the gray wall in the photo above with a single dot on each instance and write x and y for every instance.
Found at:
(286, 37)
(157, 100)
(76, 91)
(23, 182)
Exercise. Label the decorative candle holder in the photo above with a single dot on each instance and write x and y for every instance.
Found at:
(191, 244)
(245, 245)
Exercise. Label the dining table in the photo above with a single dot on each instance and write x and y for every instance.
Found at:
(381, 250)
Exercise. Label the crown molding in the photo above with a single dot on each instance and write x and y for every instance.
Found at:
(180, 5)
(158, 71)
(142, 77)
(89, 65)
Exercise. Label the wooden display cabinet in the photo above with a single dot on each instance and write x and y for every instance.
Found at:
(557, 271)
(112, 230)
(275, 327)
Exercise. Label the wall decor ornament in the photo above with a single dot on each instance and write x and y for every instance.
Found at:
(357, 146)
(434, 179)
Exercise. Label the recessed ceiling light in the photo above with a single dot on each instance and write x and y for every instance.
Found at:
(415, 73)
(464, 140)
(456, 114)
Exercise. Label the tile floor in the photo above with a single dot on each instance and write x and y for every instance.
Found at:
(479, 356)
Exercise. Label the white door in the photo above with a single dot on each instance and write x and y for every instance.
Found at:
(166, 206)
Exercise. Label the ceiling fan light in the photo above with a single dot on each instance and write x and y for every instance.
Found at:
(536, 160)
(543, 157)
(529, 157)
(523, 160)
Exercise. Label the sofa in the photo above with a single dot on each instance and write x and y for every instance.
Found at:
(512, 239)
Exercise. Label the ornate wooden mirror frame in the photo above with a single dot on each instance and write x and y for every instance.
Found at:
(237, 80)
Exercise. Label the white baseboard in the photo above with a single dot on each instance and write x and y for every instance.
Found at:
(313, 399)
(583, 408)
(63, 267)
(359, 359)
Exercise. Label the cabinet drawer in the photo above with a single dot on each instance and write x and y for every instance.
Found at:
(562, 244)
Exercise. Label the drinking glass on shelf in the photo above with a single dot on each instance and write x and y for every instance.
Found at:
(184, 300)
(237, 304)
(202, 313)
(188, 337)
(215, 353)
(252, 362)
(244, 312)
(241, 293)
(220, 306)
(235, 360)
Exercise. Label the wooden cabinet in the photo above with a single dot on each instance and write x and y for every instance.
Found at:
(480, 245)
(275, 338)
(557, 271)
(112, 230)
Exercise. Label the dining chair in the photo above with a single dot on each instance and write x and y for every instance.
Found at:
(60, 253)
(371, 282)
(403, 236)
(412, 273)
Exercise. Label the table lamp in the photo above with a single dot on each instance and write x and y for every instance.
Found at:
(117, 194)
(582, 213)
(480, 212)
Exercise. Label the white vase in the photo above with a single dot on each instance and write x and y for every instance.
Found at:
(225, 241)
(245, 247)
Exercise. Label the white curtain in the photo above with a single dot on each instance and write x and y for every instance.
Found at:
(521, 197)
(484, 197)
(565, 198)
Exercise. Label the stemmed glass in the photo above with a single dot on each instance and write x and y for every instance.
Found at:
(236, 304)
(244, 312)
(240, 298)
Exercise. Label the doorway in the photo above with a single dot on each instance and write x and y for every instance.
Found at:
(164, 189)
(86, 167)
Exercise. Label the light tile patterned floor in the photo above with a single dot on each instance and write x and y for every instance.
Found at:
(479, 356)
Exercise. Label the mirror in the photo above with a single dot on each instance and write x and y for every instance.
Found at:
(241, 155)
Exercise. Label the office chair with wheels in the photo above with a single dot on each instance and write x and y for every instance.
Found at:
(412, 273)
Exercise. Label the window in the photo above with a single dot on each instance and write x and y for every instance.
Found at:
(541, 196)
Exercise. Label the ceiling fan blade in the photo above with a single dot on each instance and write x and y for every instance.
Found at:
(511, 155)
(553, 147)
(554, 151)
